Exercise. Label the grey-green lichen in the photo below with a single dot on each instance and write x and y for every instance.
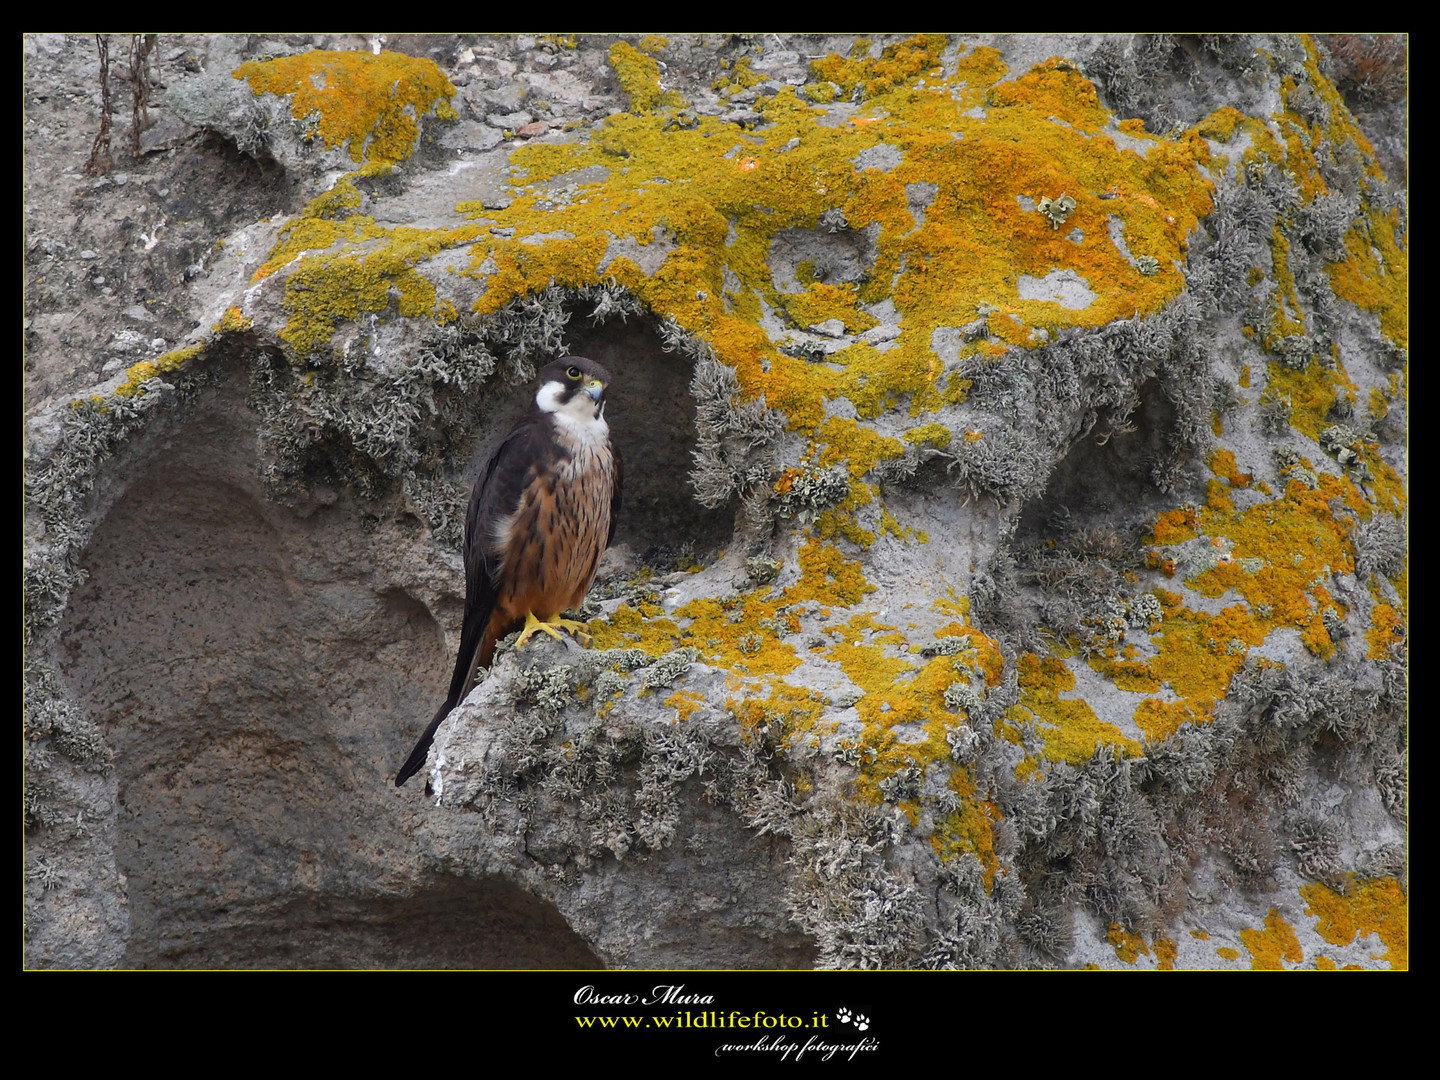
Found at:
(810, 491)
(1057, 210)
(668, 668)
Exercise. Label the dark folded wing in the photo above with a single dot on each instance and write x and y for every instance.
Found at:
(495, 498)
(615, 495)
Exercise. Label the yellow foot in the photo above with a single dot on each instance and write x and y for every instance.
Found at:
(553, 628)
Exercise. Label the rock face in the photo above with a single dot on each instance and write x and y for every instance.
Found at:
(1013, 567)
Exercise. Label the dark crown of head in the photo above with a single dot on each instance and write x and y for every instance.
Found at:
(557, 370)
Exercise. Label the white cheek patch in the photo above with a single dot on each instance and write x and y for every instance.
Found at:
(548, 396)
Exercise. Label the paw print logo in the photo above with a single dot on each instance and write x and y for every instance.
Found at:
(862, 1022)
(843, 1015)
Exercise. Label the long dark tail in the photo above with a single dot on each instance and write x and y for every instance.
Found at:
(416, 761)
(477, 649)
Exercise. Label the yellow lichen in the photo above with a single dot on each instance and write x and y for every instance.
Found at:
(1386, 633)
(367, 102)
(1166, 950)
(138, 374)
(1128, 947)
(233, 321)
(785, 709)
(1071, 730)
(1221, 124)
(639, 77)
(1366, 907)
(685, 702)
(1160, 719)
(826, 575)
(1276, 943)
(936, 435)
(721, 211)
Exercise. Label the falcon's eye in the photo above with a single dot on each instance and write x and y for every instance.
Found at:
(572, 372)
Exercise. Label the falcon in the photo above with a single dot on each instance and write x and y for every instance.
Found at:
(542, 512)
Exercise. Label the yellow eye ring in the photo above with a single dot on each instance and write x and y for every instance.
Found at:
(573, 372)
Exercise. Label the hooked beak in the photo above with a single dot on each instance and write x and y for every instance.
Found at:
(596, 389)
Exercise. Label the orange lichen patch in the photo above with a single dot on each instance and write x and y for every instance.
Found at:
(1311, 394)
(1300, 542)
(1220, 125)
(826, 575)
(368, 102)
(975, 242)
(1217, 497)
(233, 322)
(745, 644)
(1316, 636)
(906, 720)
(1071, 730)
(989, 660)
(1376, 274)
(1196, 665)
(889, 696)
(1366, 907)
(898, 64)
(1176, 526)
(685, 702)
(639, 78)
(1287, 317)
(521, 267)
(1170, 603)
(1276, 943)
(1386, 632)
(1047, 674)
(936, 435)
(637, 627)
(1200, 935)
(1387, 486)
(820, 302)
(736, 78)
(1222, 464)
(1155, 561)
(788, 708)
(1402, 586)
(1227, 953)
(1324, 963)
(859, 447)
(1060, 81)
(1165, 952)
(955, 605)
(1128, 947)
(969, 828)
(325, 290)
(1124, 671)
(1028, 766)
(1160, 719)
(840, 522)
(891, 526)
(138, 374)
(741, 645)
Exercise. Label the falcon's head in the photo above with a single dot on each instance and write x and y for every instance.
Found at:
(573, 387)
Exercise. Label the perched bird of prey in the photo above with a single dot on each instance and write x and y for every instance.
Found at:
(542, 512)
